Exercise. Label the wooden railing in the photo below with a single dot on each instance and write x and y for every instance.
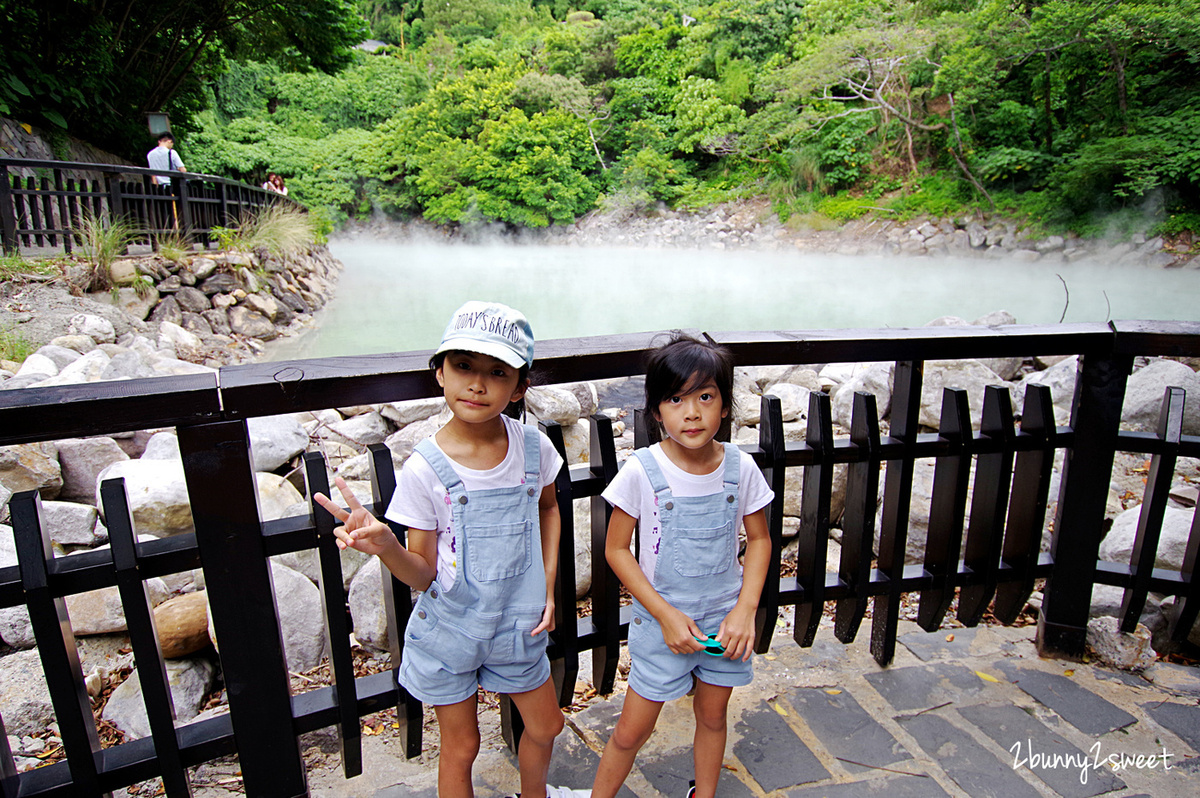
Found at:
(43, 203)
(987, 557)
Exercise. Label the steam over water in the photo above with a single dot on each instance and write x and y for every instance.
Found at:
(396, 296)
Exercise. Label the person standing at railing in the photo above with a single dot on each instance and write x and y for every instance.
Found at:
(694, 604)
(164, 158)
(275, 183)
(479, 500)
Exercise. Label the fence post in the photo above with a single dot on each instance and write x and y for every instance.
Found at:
(56, 645)
(814, 519)
(179, 187)
(1154, 508)
(606, 610)
(143, 635)
(858, 525)
(989, 506)
(333, 606)
(8, 219)
(1079, 524)
(774, 447)
(897, 496)
(224, 497)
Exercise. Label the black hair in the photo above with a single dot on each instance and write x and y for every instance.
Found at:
(162, 136)
(515, 409)
(681, 362)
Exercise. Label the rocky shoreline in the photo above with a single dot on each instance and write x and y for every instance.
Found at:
(753, 224)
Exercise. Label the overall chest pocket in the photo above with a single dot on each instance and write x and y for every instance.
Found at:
(500, 551)
(702, 550)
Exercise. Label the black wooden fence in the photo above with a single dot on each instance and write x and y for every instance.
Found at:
(43, 203)
(988, 555)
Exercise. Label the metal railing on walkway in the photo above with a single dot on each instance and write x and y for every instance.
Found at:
(987, 556)
(43, 203)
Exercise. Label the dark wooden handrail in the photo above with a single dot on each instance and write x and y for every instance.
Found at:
(41, 212)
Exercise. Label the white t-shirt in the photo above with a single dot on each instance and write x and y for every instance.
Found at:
(631, 491)
(422, 502)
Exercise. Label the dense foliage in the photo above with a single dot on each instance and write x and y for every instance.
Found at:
(96, 68)
(532, 112)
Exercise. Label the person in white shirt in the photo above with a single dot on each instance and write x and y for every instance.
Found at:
(164, 158)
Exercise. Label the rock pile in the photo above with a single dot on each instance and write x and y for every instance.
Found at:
(206, 309)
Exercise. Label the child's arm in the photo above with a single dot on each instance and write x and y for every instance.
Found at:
(551, 525)
(679, 631)
(737, 630)
(416, 566)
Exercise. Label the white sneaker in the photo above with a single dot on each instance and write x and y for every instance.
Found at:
(566, 792)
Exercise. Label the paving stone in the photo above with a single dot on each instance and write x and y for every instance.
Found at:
(671, 774)
(925, 686)
(933, 645)
(1035, 746)
(846, 730)
(1182, 719)
(892, 787)
(973, 767)
(1176, 678)
(1189, 765)
(1124, 677)
(402, 791)
(600, 718)
(1075, 704)
(574, 764)
(774, 755)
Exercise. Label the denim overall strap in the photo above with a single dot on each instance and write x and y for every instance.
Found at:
(441, 466)
(658, 481)
(732, 478)
(533, 455)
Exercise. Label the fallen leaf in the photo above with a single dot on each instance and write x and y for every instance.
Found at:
(780, 709)
(949, 638)
(987, 677)
(833, 691)
(1069, 672)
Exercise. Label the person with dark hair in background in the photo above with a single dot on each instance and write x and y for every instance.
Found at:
(164, 158)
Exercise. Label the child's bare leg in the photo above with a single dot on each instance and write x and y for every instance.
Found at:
(711, 705)
(634, 727)
(543, 721)
(458, 725)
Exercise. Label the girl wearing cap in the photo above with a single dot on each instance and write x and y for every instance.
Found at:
(483, 529)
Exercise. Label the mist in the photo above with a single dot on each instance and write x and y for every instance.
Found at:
(396, 295)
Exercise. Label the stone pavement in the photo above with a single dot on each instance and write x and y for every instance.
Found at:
(960, 712)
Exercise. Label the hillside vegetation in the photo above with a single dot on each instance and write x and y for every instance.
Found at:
(1081, 115)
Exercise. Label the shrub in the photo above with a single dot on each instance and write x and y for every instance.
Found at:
(279, 228)
(102, 241)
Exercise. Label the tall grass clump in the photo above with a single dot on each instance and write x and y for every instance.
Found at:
(102, 241)
(280, 229)
(14, 346)
(14, 267)
(174, 246)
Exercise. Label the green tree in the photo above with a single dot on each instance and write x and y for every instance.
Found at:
(97, 68)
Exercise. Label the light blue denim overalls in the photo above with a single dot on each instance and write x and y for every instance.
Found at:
(697, 573)
(477, 631)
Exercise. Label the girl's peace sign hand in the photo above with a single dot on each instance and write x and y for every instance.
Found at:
(359, 530)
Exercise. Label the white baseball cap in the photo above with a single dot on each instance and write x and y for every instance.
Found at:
(489, 328)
